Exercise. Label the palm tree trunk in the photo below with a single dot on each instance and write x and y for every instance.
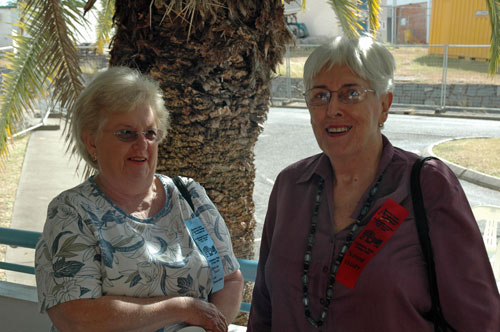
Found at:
(217, 87)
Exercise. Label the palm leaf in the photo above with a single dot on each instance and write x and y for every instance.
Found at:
(374, 16)
(348, 15)
(104, 24)
(494, 12)
(45, 60)
(54, 21)
(20, 87)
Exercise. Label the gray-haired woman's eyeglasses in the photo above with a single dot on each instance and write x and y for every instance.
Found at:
(348, 94)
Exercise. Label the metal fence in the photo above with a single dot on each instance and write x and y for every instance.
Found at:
(436, 77)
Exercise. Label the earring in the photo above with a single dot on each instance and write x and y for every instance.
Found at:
(94, 157)
(381, 125)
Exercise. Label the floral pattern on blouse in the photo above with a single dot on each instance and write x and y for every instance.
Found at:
(90, 248)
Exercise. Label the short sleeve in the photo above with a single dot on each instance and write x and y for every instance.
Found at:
(215, 225)
(67, 258)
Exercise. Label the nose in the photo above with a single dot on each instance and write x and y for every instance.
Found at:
(141, 141)
(333, 108)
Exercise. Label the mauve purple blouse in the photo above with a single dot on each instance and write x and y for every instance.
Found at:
(391, 294)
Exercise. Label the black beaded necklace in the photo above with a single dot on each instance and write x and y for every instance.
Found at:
(336, 263)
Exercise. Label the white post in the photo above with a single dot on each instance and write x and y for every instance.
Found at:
(429, 13)
(288, 75)
(394, 19)
(443, 83)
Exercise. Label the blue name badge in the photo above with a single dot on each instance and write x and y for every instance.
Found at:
(207, 247)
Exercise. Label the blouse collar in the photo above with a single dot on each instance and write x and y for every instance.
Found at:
(321, 166)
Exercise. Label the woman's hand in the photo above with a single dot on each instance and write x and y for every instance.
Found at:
(205, 315)
(121, 313)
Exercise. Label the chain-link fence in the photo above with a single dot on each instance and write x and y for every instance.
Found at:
(435, 77)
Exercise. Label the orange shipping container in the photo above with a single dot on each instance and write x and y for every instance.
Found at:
(460, 22)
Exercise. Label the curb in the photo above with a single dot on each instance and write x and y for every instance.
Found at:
(51, 123)
(48, 127)
(464, 173)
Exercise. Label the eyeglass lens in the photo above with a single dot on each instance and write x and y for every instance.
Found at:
(126, 135)
(351, 94)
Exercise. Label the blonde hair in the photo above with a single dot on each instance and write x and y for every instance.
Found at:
(116, 90)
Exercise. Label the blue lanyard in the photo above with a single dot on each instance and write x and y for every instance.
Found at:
(203, 240)
(207, 247)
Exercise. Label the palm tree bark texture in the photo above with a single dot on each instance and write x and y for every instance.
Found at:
(215, 69)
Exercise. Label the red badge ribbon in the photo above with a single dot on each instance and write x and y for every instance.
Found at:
(369, 241)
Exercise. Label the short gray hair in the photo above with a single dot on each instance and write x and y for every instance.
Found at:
(365, 57)
(116, 90)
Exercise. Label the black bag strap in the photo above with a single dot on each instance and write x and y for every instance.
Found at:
(436, 314)
(183, 189)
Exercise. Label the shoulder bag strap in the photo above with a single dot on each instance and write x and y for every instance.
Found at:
(440, 323)
(183, 189)
(203, 241)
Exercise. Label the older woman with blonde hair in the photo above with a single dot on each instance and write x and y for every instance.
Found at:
(118, 252)
(340, 250)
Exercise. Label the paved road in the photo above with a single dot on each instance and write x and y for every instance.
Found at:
(288, 137)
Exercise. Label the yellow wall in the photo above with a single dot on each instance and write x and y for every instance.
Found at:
(460, 22)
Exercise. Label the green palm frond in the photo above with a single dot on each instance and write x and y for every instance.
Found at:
(348, 15)
(494, 11)
(374, 16)
(45, 60)
(104, 27)
(55, 22)
(21, 86)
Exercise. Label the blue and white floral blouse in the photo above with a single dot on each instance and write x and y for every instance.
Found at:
(90, 248)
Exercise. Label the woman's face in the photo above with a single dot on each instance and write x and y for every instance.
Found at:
(348, 130)
(125, 163)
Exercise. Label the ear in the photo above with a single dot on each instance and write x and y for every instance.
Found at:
(386, 100)
(90, 142)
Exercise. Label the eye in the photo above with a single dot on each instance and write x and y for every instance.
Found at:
(351, 93)
(126, 132)
(151, 134)
(126, 135)
(318, 96)
(321, 95)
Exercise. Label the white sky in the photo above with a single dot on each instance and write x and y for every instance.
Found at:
(4, 2)
(88, 33)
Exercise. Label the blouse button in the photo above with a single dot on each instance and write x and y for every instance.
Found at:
(325, 269)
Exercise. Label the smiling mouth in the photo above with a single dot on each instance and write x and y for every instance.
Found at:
(339, 130)
(137, 159)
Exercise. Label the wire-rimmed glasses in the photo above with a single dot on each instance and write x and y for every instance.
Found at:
(347, 94)
(126, 135)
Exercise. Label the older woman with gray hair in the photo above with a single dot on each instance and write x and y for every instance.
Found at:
(122, 251)
(340, 250)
